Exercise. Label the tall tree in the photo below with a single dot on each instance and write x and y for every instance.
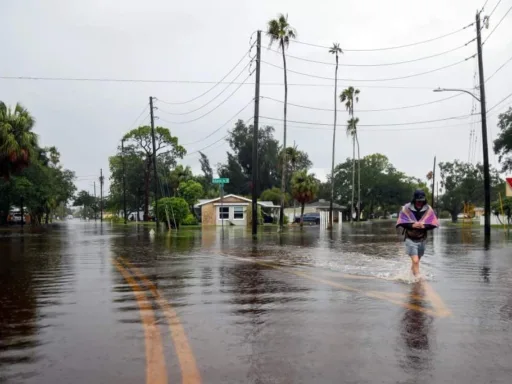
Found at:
(304, 190)
(503, 144)
(18, 143)
(140, 139)
(350, 96)
(280, 31)
(335, 50)
(205, 166)
(178, 175)
(239, 165)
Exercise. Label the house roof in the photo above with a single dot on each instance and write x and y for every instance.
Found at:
(266, 204)
(324, 204)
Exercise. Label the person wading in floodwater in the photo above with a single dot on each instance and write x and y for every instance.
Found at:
(416, 218)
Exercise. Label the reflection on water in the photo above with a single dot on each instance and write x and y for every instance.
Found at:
(415, 330)
(34, 276)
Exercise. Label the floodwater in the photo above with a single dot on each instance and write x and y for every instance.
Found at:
(91, 303)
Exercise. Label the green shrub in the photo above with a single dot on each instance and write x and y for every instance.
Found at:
(189, 220)
(177, 209)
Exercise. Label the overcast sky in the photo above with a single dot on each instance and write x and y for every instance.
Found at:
(203, 40)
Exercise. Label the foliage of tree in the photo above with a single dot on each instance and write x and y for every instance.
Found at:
(383, 188)
(463, 183)
(238, 167)
(140, 141)
(18, 143)
(503, 144)
(40, 188)
(296, 160)
(176, 208)
(274, 195)
(177, 176)
(191, 191)
(304, 190)
(88, 202)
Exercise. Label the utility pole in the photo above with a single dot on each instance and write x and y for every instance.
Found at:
(487, 176)
(433, 185)
(124, 182)
(94, 209)
(255, 167)
(101, 195)
(155, 176)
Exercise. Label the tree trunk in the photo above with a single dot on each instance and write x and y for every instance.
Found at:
(333, 144)
(454, 216)
(46, 217)
(283, 176)
(146, 191)
(353, 178)
(302, 215)
(358, 180)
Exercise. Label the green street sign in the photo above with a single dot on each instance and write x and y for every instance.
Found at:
(221, 180)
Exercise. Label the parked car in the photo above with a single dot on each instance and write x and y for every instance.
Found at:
(309, 218)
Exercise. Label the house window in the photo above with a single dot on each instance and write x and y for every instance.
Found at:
(223, 213)
(238, 213)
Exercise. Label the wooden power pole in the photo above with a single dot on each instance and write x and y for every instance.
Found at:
(255, 166)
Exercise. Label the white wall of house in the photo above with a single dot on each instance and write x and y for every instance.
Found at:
(235, 213)
(494, 220)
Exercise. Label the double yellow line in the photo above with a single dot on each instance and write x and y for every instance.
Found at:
(156, 371)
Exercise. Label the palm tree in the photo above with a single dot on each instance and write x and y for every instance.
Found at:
(278, 30)
(304, 190)
(18, 143)
(291, 155)
(335, 50)
(350, 96)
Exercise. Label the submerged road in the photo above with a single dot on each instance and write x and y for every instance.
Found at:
(91, 303)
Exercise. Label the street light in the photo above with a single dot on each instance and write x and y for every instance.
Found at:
(487, 176)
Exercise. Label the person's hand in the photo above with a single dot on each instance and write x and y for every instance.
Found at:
(418, 225)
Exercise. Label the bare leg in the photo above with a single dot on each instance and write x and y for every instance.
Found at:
(415, 267)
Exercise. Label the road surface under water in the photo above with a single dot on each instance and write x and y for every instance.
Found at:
(91, 303)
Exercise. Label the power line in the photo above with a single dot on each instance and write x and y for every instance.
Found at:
(384, 129)
(392, 47)
(498, 103)
(215, 142)
(380, 64)
(215, 85)
(497, 25)
(211, 110)
(366, 110)
(222, 126)
(374, 125)
(196, 82)
(483, 6)
(204, 105)
(499, 69)
(374, 80)
(496, 6)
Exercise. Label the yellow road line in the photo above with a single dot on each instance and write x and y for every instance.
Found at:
(156, 372)
(189, 371)
(436, 301)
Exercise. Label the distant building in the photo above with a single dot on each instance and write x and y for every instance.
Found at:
(315, 207)
(233, 210)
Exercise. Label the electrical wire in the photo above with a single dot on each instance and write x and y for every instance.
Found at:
(499, 69)
(366, 110)
(392, 47)
(204, 105)
(497, 25)
(498, 103)
(211, 110)
(30, 78)
(496, 6)
(380, 64)
(222, 126)
(373, 125)
(383, 129)
(483, 6)
(374, 80)
(215, 85)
